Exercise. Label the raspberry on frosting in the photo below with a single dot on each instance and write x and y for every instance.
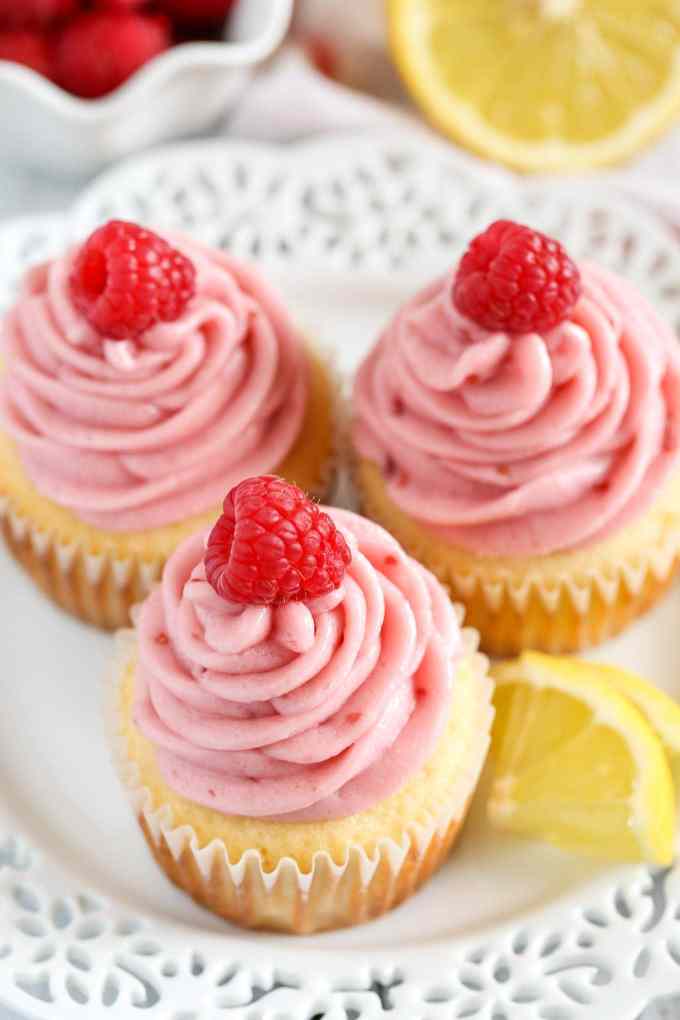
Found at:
(307, 711)
(516, 279)
(126, 279)
(273, 545)
(135, 434)
(523, 445)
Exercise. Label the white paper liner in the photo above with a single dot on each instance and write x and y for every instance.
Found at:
(417, 837)
(626, 576)
(47, 546)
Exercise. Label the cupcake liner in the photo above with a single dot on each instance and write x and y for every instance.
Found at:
(287, 898)
(583, 600)
(101, 588)
(561, 614)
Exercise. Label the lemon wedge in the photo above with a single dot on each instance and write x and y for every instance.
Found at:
(661, 711)
(542, 85)
(578, 761)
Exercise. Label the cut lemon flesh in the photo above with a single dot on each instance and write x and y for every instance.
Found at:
(661, 711)
(577, 763)
(543, 85)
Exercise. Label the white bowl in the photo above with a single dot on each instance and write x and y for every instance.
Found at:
(182, 92)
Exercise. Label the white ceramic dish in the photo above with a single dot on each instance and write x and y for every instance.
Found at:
(89, 929)
(182, 92)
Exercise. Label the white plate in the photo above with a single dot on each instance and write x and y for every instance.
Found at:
(88, 926)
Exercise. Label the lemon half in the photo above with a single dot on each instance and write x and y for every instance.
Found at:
(542, 85)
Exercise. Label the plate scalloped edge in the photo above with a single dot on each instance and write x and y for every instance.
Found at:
(364, 206)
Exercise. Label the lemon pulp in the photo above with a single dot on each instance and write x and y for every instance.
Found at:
(577, 763)
(544, 85)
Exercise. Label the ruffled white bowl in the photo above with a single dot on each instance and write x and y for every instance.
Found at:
(179, 93)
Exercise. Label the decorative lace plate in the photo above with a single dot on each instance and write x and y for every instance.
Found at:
(89, 929)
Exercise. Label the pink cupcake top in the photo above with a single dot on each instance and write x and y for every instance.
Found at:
(310, 710)
(523, 443)
(136, 434)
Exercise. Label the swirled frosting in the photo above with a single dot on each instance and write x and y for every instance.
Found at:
(308, 711)
(526, 444)
(135, 435)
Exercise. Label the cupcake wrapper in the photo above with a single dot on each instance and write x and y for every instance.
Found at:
(558, 613)
(330, 895)
(628, 580)
(98, 589)
(551, 610)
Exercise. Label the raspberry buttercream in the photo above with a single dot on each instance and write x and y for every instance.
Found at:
(523, 444)
(137, 435)
(308, 711)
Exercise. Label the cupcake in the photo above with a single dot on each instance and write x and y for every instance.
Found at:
(141, 379)
(300, 720)
(516, 429)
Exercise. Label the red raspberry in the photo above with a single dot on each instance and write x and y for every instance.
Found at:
(28, 48)
(119, 5)
(273, 545)
(322, 53)
(99, 50)
(512, 278)
(125, 279)
(195, 12)
(34, 13)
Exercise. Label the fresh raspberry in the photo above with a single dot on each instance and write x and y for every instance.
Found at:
(195, 12)
(99, 50)
(28, 48)
(120, 5)
(322, 53)
(512, 278)
(34, 13)
(125, 279)
(273, 545)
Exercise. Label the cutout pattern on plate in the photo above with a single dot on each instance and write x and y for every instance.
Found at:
(365, 206)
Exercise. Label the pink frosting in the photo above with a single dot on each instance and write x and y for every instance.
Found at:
(519, 445)
(134, 435)
(308, 711)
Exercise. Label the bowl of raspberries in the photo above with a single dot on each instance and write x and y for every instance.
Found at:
(85, 82)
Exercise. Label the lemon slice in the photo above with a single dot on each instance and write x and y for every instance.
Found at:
(543, 85)
(577, 763)
(661, 711)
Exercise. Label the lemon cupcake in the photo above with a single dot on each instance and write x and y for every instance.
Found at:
(299, 719)
(517, 429)
(140, 380)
